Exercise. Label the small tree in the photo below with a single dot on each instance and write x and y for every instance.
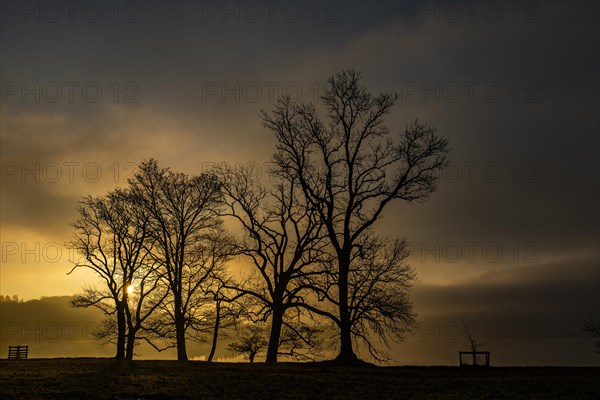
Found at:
(473, 343)
(251, 340)
(593, 327)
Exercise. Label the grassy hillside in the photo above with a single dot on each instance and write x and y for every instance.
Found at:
(105, 379)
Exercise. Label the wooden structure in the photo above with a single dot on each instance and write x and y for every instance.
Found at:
(474, 355)
(18, 352)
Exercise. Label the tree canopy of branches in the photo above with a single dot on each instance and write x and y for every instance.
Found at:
(379, 282)
(250, 341)
(349, 169)
(283, 240)
(472, 342)
(593, 327)
(189, 244)
(161, 249)
(113, 241)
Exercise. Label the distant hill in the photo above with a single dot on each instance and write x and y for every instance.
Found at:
(51, 328)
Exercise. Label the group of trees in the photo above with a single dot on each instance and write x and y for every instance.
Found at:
(159, 248)
(308, 241)
(593, 327)
(10, 299)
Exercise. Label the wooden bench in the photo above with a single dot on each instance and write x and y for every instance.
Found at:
(18, 352)
(474, 354)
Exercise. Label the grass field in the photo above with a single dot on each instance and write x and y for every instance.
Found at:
(106, 379)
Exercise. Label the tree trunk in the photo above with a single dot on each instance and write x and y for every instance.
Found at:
(215, 332)
(275, 334)
(346, 354)
(251, 357)
(121, 327)
(130, 345)
(180, 330)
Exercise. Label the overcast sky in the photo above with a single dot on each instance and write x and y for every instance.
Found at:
(510, 238)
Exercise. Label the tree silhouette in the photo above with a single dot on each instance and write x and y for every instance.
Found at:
(9, 299)
(300, 340)
(225, 311)
(188, 241)
(282, 239)
(251, 340)
(593, 327)
(472, 342)
(349, 169)
(379, 281)
(113, 241)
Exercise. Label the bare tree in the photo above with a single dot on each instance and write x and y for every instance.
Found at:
(300, 340)
(183, 220)
(113, 241)
(212, 308)
(96, 245)
(251, 340)
(379, 283)
(349, 169)
(146, 295)
(593, 327)
(283, 240)
(225, 313)
(106, 332)
(474, 344)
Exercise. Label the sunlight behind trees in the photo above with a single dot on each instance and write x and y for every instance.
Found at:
(316, 266)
